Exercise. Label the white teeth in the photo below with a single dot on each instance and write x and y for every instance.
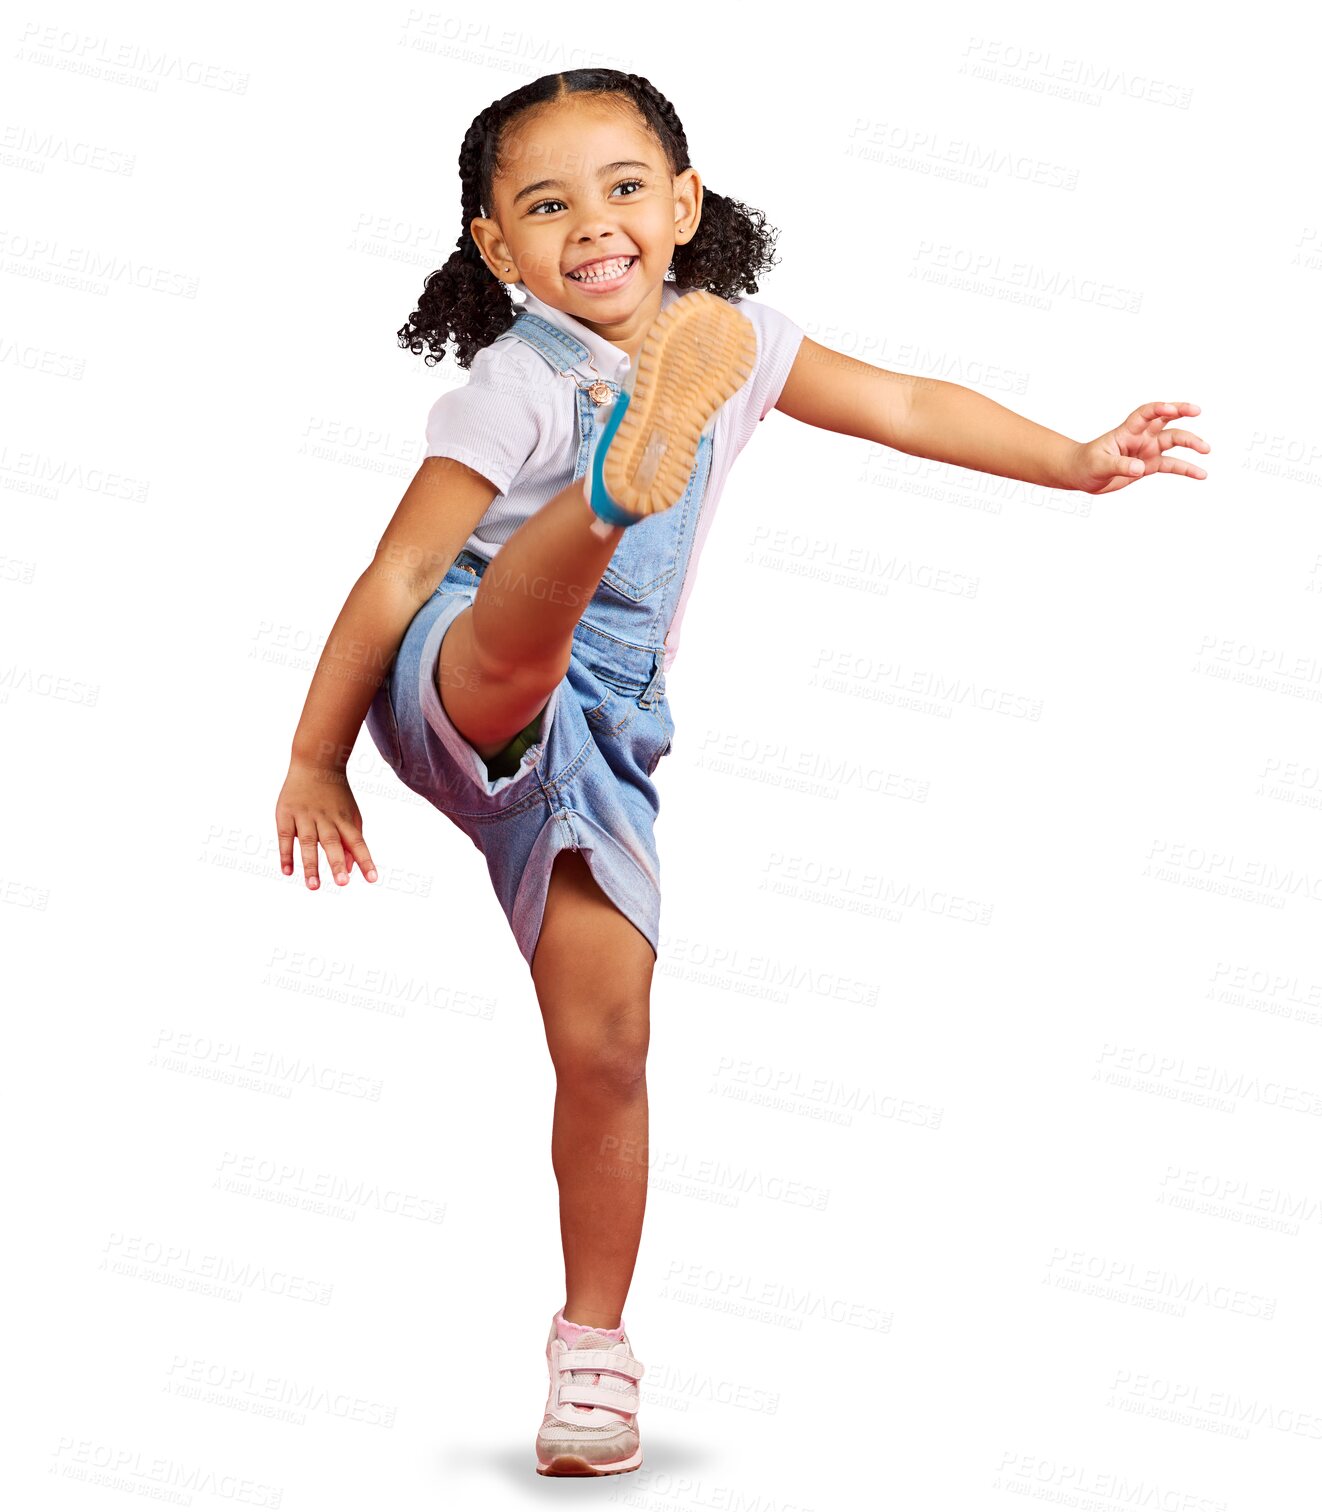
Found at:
(612, 269)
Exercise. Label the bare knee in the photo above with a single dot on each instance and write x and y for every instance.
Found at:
(488, 659)
(592, 969)
(604, 1053)
(488, 699)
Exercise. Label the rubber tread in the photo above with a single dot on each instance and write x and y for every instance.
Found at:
(699, 351)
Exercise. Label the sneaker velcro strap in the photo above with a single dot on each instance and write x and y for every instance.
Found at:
(585, 1395)
(600, 1359)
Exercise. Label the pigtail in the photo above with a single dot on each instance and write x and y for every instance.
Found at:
(733, 245)
(463, 301)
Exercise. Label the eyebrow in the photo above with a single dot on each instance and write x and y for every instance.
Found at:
(556, 184)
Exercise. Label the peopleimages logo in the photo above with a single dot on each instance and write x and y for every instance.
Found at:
(98, 55)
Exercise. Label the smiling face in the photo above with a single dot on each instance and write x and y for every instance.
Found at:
(583, 188)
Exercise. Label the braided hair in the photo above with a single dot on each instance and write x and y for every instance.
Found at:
(466, 303)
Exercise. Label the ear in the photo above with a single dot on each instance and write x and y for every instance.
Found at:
(688, 204)
(491, 244)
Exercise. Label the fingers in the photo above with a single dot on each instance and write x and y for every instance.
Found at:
(1161, 409)
(307, 843)
(284, 828)
(1169, 438)
(1145, 426)
(330, 843)
(1173, 437)
(360, 853)
(343, 844)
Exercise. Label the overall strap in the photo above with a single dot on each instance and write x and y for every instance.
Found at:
(559, 348)
(561, 351)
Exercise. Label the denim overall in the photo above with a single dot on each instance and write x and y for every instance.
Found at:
(585, 784)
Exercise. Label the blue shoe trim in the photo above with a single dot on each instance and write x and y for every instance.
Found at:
(602, 504)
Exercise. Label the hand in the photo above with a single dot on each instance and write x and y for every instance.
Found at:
(1135, 449)
(314, 805)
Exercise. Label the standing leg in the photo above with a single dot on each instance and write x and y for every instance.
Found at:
(504, 654)
(592, 970)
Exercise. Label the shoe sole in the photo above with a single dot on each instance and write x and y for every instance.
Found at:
(699, 351)
(573, 1464)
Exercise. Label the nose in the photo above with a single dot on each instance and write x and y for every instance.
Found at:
(595, 224)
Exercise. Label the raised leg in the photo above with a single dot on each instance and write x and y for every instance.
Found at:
(592, 970)
(504, 654)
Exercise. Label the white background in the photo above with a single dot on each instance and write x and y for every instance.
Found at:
(985, 1069)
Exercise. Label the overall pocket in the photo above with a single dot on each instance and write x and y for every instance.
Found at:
(607, 707)
(613, 714)
(632, 584)
(644, 561)
(607, 694)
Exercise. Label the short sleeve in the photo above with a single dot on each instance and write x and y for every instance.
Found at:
(778, 339)
(493, 423)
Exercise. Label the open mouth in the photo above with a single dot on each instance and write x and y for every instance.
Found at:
(604, 275)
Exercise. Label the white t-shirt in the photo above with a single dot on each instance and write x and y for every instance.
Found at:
(515, 422)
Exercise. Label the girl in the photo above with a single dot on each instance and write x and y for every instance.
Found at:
(523, 606)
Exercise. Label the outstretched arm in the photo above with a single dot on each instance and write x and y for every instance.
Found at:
(927, 417)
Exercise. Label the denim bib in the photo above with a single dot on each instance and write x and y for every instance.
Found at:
(629, 615)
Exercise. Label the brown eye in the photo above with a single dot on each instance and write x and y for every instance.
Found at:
(542, 203)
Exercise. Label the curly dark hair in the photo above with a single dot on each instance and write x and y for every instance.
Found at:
(465, 302)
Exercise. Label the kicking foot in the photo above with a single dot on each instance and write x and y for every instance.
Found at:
(698, 352)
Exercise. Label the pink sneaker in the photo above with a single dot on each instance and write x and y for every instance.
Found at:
(591, 1422)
